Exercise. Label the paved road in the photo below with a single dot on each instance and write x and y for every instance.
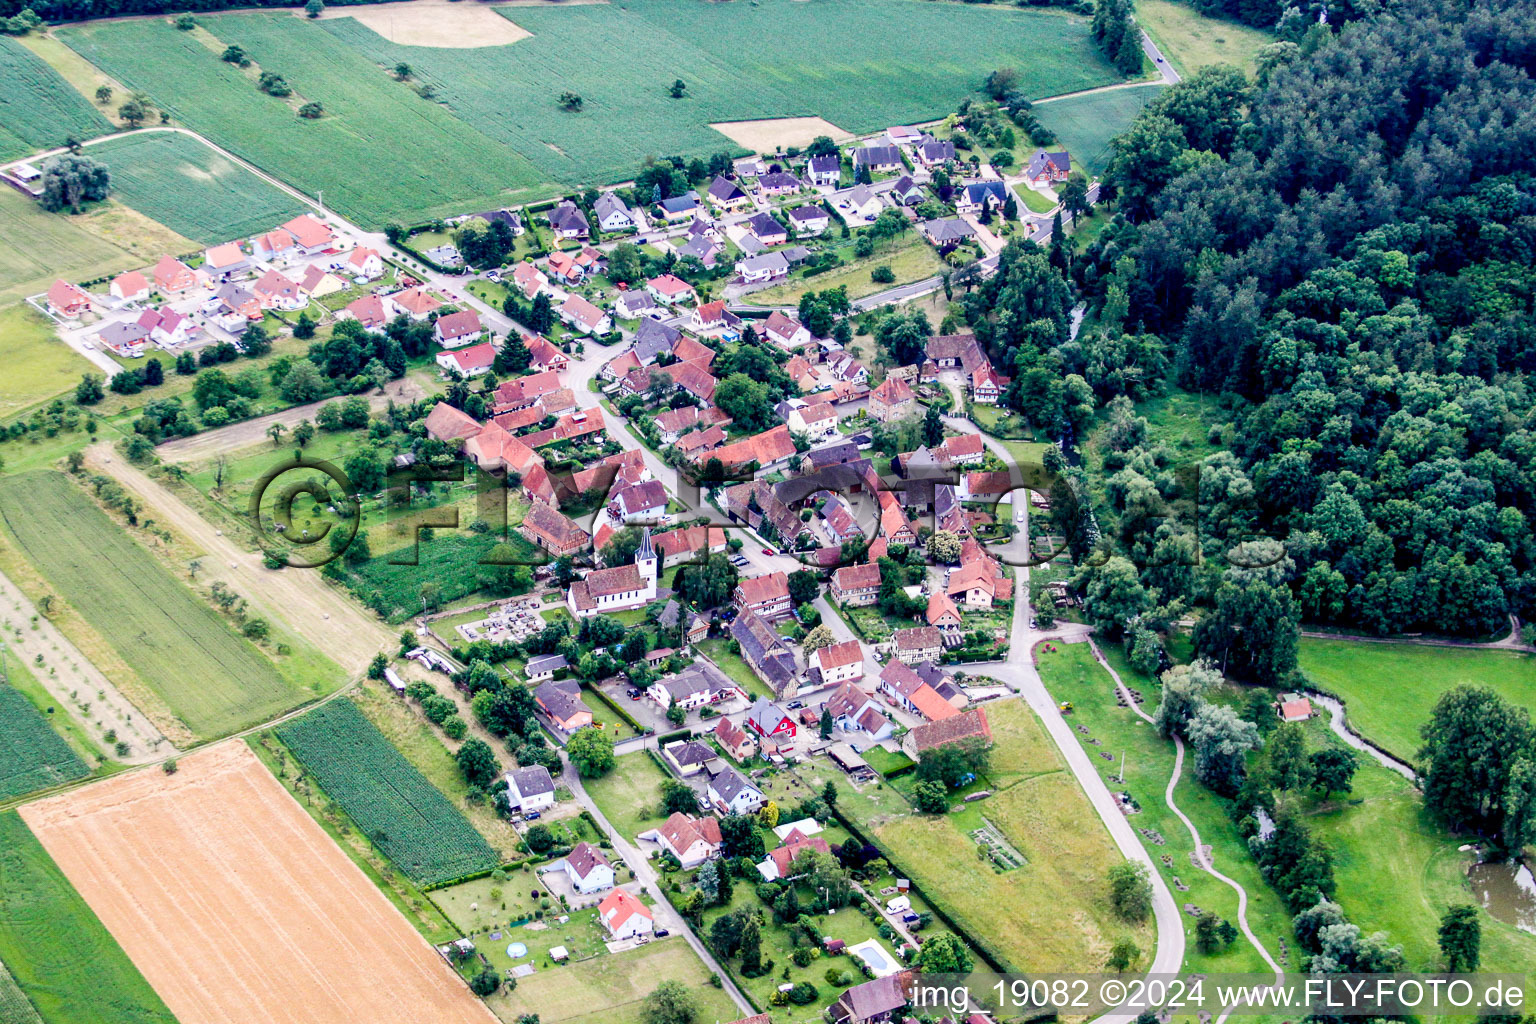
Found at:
(666, 915)
(1159, 60)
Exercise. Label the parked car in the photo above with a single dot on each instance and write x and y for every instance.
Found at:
(795, 705)
(769, 552)
(533, 815)
(662, 933)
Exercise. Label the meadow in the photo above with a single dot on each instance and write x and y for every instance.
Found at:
(366, 114)
(57, 950)
(630, 795)
(32, 755)
(1192, 41)
(212, 679)
(1085, 124)
(1022, 913)
(392, 802)
(38, 364)
(193, 190)
(40, 247)
(496, 107)
(1389, 690)
(38, 109)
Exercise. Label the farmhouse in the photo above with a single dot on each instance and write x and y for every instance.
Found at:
(469, 362)
(644, 500)
(920, 643)
(942, 612)
(766, 653)
(587, 868)
(907, 687)
(445, 423)
(963, 727)
(873, 1001)
(766, 595)
(547, 528)
(530, 789)
(856, 585)
(625, 916)
(987, 385)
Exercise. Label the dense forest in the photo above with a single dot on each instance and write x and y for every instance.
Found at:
(1344, 252)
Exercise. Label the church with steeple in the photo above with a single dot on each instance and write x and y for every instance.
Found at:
(618, 588)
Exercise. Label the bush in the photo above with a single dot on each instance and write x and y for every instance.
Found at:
(882, 275)
(454, 727)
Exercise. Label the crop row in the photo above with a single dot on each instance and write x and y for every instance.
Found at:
(32, 755)
(384, 794)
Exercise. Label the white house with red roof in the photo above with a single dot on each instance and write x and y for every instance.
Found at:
(275, 290)
(587, 868)
(581, 315)
(841, 662)
(168, 328)
(274, 244)
(530, 280)
(543, 356)
(172, 276)
(691, 840)
(987, 384)
(780, 862)
(671, 290)
(785, 331)
(416, 303)
(130, 287)
(363, 262)
(625, 916)
(456, 329)
(469, 362)
(310, 235)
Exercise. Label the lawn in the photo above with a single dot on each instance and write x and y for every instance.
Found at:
(611, 989)
(1034, 201)
(338, 153)
(391, 801)
(1192, 41)
(1084, 124)
(909, 257)
(38, 109)
(213, 680)
(1103, 727)
(32, 755)
(39, 365)
(717, 649)
(57, 949)
(1390, 689)
(630, 795)
(177, 180)
(1051, 913)
(496, 107)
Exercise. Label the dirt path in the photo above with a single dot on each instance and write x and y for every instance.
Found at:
(1201, 856)
(248, 432)
(1511, 642)
(76, 683)
(343, 631)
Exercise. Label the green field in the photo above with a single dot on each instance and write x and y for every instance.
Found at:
(38, 364)
(1192, 41)
(1022, 913)
(390, 800)
(366, 113)
(191, 189)
(214, 680)
(630, 795)
(40, 247)
(1390, 689)
(57, 949)
(495, 108)
(38, 109)
(1084, 124)
(15, 1007)
(32, 755)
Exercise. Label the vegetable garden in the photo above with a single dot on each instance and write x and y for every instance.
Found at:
(391, 802)
(32, 755)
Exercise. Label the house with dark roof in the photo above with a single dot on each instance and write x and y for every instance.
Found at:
(760, 269)
(560, 699)
(1045, 168)
(612, 214)
(980, 195)
(731, 793)
(778, 183)
(680, 207)
(689, 757)
(530, 788)
(932, 152)
(873, 1001)
(766, 653)
(908, 192)
(567, 221)
(824, 170)
(544, 666)
(878, 159)
(726, 194)
(952, 351)
(947, 232)
(587, 868)
(768, 230)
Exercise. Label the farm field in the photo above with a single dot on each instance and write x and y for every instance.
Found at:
(38, 109)
(15, 1007)
(211, 678)
(39, 365)
(219, 859)
(56, 949)
(1051, 913)
(630, 795)
(496, 106)
(1085, 124)
(392, 802)
(177, 180)
(41, 246)
(32, 755)
(611, 989)
(365, 110)
(1389, 690)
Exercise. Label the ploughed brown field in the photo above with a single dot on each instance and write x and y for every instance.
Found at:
(236, 905)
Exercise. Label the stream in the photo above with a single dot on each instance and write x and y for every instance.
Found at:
(1341, 729)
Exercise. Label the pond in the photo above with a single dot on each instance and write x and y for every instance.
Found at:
(1507, 891)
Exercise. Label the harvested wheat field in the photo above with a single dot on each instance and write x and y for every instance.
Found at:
(773, 133)
(237, 907)
(438, 23)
